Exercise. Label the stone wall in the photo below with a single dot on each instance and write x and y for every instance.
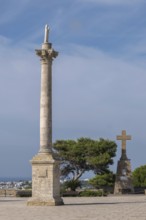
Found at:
(15, 193)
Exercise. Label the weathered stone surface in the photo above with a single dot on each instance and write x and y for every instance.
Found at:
(45, 169)
(123, 182)
(43, 202)
(45, 181)
(15, 193)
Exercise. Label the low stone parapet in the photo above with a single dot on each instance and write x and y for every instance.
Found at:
(15, 193)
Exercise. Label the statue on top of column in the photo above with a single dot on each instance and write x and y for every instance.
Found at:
(46, 34)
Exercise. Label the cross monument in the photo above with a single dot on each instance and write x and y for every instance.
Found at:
(123, 182)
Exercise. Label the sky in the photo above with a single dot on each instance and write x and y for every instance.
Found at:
(99, 77)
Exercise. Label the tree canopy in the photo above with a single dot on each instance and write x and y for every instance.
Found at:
(106, 179)
(139, 176)
(85, 154)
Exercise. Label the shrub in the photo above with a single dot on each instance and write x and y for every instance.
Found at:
(24, 193)
(91, 193)
(139, 176)
(70, 194)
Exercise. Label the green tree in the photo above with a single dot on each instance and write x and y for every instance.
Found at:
(102, 180)
(139, 176)
(83, 155)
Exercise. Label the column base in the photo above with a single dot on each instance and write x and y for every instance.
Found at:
(44, 202)
(45, 181)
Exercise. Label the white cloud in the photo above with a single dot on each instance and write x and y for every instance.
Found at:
(4, 40)
(19, 112)
(137, 50)
(18, 76)
(97, 83)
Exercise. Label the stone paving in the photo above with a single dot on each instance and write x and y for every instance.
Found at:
(96, 208)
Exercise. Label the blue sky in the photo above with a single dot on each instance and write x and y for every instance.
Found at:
(99, 76)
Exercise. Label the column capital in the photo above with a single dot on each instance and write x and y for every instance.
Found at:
(46, 53)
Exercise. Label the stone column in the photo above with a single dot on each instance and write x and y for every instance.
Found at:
(47, 54)
(45, 169)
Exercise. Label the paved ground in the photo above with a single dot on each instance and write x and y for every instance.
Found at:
(101, 208)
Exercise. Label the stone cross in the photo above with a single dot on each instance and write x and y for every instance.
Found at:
(124, 138)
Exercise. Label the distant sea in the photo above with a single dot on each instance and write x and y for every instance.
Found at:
(9, 179)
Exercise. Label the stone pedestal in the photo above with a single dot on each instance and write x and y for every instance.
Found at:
(123, 183)
(45, 169)
(45, 181)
